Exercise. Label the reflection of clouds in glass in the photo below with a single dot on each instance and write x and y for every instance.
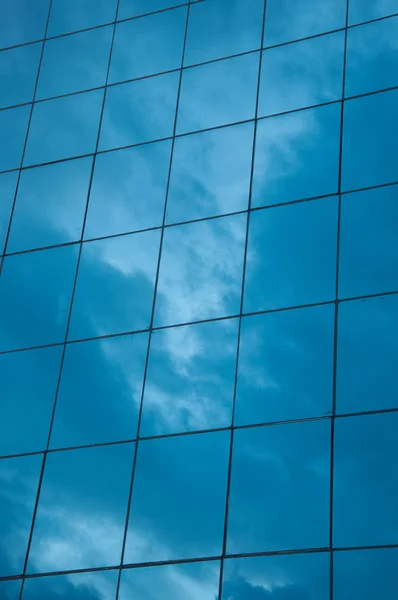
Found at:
(77, 586)
(78, 14)
(360, 11)
(18, 68)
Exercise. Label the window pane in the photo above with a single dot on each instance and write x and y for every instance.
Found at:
(79, 14)
(9, 590)
(115, 285)
(369, 242)
(140, 111)
(22, 21)
(201, 271)
(29, 381)
(279, 496)
(285, 366)
(366, 480)
(50, 205)
(297, 156)
(8, 182)
(292, 255)
(100, 391)
(35, 294)
(299, 576)
(18, 70)
(302, 74)
(64, 127)
(178, 500)
(218, 93)
(190, 380)
(149, 45)
(210, 173)
(367, 351)
(370, 147)
(19, 480)
(82, 509)
(133, 8)
(360, 11)
(99, 585)
(136, 180)
(13, 124)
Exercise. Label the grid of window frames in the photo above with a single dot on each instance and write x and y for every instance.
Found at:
(198, 299)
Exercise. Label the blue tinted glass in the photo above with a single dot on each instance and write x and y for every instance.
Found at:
(366, 574)
(291, 257)
(298, 577)
(279, 496)
(148, 45)
(365, 10)
(297, 156)
(79, 14)
(18, 69)
(136, 180)
(302, 74)
(370, 146)
(8, 183)
(50, 205)
(140, 111)
(210, 173)
(19, 479)
(197, 581)
(82, 509)
(232, 26)
(365, 480)
(13, 124)
(201, 271)
(218, 93)
(287, 20)
(285, 366)
(190, 379)
(367, 350)
(74, 62)
(114, 291)
(77, 586)
(133, 8)
(369, 242)
(22, 21)
(64, 127)
(29, 381)
(9, 590)
(372, 62)
(179, 489)
(42, 282)
(100, 391)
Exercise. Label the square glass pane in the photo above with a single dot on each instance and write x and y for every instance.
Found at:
(190, 380)
(18, 71)
(29, 382)
(279, 497)
(35, 295)
(19, 479)
(210, 174)
(291, 256)
(286, 20)
(22, 21)
(366, 480)
(8, 182)
(201, 271)
(100, 391)
(140, 111)
(197, 581)
(134, 8)
(64, 127)
(297, 156)
(372, 58)
(9, 590)
(13, 126)
(370, 141)
(231, 26)
(297, 576)
(218, 93)
(115, 285)
(369, 242)
(285, 366)
(366, 574)
(178, 501)
(50, 205)
(367, 351)
(74, 62)
(97, 585)
(149, 45)
(302, 74)
(82, 509)
(136, 180)
(366, 10)
(79, 14)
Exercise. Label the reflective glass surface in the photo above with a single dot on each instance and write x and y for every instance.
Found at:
(134, 8)
(10, 590)
(8, 183)
(79, 586)
(22, 21)
(18, 71)
(13, 126)
(79, 14)
(360, 11)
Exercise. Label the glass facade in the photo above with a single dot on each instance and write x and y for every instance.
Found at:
(198, 299)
